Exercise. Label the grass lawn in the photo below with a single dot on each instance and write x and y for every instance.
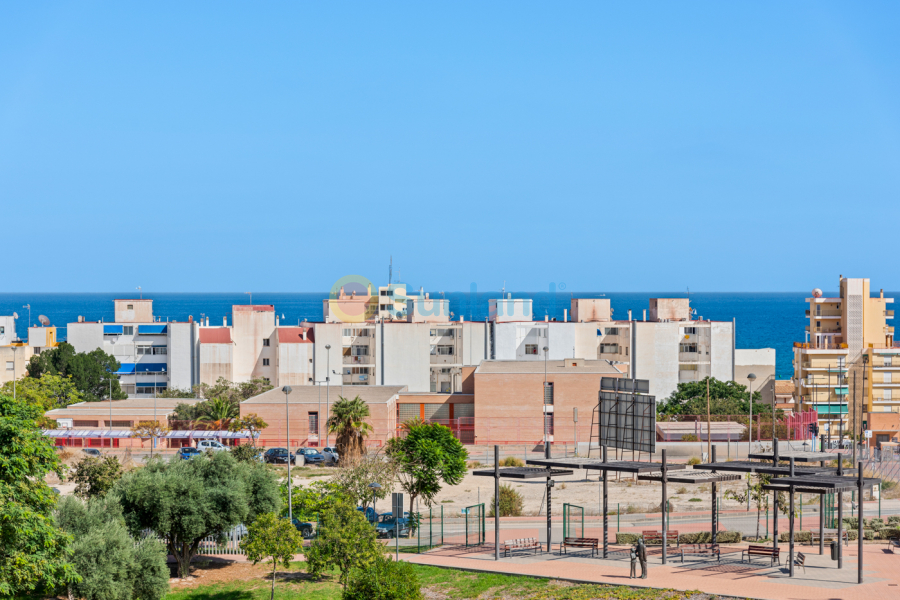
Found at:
(245, 582)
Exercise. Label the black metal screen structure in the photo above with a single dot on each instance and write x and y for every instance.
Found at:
(475, 525)
(627, 418)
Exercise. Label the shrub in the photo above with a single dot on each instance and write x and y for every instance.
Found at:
(799, 536)
(894, 520)
(689, 437)
(682, 490)
(889, 533)
(511, 502)
(512, 461)
(705, 537)
(383, 580)
(96, 476)
(695, 500)
(876, 523)
(693, 461)
(627, 538)
(245, 453)
(344, 541)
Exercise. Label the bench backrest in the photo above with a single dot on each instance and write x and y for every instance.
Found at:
(801, 558)
(762, 549)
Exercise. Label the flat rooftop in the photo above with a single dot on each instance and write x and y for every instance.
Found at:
(311, 394)
(554, 367)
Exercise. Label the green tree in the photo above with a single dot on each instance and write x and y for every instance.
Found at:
(47, 392)
(428, 456)
(273, 539)
(111, 565)
(251, 423)
(219, 412)
(92, 373)
(725, 398)
(759, 496)
(95, 476)
(150, 430)
(344, 540)
(348, 422)
(309, 501)
(184, 501)
(34, 552)
(385, 579)
(356, 474)
(175, 393)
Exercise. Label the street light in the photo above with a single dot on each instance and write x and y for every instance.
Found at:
(374, 487)
(327, 387)
(544, 399)
(287, 422)
(751, 378)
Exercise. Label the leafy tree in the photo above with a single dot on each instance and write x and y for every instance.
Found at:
(272, 538)
(236, 392)
(725, 398)
(384, 580)
(175, 393)
(187, 412)
(111, 565)
(34, 552)
(47, 392)
(95, 476)
(245, 453)
(149, 430)
(92, 373)
(309, 501)
(184, 501)
(219, 412)
(348, 422)
(428, 456)
(759, 497)
(251, 423)
(344, 540)
(356, 474)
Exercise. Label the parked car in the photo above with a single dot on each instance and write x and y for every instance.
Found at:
(331, 454)
(388, 527)
(188, 452)
(212, 445)
(279, 456)
(92, 452)
(305, 528)
(311, 455)
(369, 512)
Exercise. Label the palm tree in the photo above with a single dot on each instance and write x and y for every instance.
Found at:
(348, 422)
(219, 413)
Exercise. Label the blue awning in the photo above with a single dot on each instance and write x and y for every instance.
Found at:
(152, 329)
(151, 367)
(125, 369)
(159, 384)
(112, 330)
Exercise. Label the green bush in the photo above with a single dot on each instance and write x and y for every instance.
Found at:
(245, 453)
(705, 537)
(894, 520)
(689, 437)
(851, 523)
(876, 523)
(383, 580)
(511, 502)
(95, 476)
(869, 534)
(889, 532)
(799, 536)
(693, 461)
(512, 461)
(627, 538)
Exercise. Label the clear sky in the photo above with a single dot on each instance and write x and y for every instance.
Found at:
(610, 146)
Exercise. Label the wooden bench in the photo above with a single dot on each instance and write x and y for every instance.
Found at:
(656, 536)
(800, 561)
(572, 542)
(770, 551)
(893, 543)
(707, 549)
(830, 535)
(520, 544)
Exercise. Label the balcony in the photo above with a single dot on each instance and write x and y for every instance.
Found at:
(689, 357)
(888, 314)
(443, 359)
(358, 360)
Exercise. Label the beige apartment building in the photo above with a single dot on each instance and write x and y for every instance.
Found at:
(835, 369)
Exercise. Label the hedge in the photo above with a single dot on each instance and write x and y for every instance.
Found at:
(700, 537)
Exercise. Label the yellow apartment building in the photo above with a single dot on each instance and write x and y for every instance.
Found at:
(834, 369)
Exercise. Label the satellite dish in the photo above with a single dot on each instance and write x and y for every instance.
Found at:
(44, 320)
(15, 315)
(817, 293)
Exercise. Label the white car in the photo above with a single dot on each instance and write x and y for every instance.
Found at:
(212, 445)
(331, 454)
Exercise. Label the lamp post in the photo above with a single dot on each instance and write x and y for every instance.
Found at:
(544, 399)
(287, 423)
(751, 378)
(864, 395)
(327, 387)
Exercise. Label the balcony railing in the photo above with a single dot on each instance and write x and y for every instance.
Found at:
(358, 360)
(889, 314)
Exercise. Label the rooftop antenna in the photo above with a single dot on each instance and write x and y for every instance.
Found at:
(503, 290)
(28, 306)
(251, 297)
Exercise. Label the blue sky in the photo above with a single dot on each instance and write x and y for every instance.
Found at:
(610, 146)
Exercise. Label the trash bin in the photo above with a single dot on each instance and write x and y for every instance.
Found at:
(834, 550)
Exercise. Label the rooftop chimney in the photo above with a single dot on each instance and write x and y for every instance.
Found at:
(565, 315)
(629, 315)
(190, 318)
(277, 320)
(224, 321)
(304, 335)
(80, 319)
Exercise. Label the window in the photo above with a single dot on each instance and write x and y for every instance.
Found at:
(265, 362)
(612, 331)
(265, 341)
(10, 365)
(37, 349)
(129, 307)
(387, 292)
(357, 370)
(355, 333)
(445, 370)
(85, 423)
(887, 378)
(128, 330)
(359, 350)
(128, 388)
(690, 331)
(141, 350)
(128, 424)
(609, 348)
(687, 347)
(160, 350)
(531, 349)
(2, 329)
(442, 333)
(445, 387)
(445, 350)
(314, 423)
(887, 361)
(887, 395)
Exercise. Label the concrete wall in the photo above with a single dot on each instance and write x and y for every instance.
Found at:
(329, 334)
(182, 342)
(407, 355)
(591, 309)
(760, 362)
(251, 327)
(509, 309)
(294, 364)
(216, 361)
(141, 311)
(473, 343)
(13, 363)
(85, 337)
(7, 330)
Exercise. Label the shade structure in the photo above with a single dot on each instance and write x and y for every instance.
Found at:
(596, 464)
(798, 456)
(826, 483)
(152, 329)
(524, 473)
(126, 433)
(690, 476)
(125, 369)
(768, 468)
(112, 330)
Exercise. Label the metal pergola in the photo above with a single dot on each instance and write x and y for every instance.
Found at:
(518, 473)
(621, 466)
(797, 455)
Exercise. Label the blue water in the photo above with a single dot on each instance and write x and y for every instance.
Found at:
(764, 320)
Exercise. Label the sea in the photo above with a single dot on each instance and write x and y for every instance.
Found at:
(763, 320)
